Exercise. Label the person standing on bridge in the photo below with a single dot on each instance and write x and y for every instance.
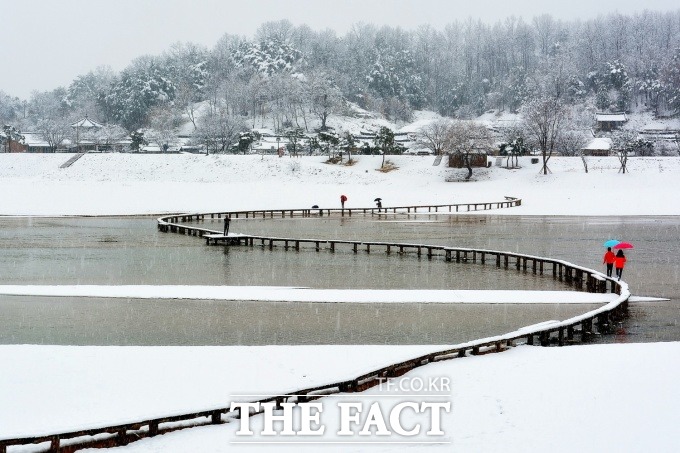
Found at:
(343, 198)
(227, 221)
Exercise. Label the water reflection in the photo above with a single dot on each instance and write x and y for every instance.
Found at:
(85, 321)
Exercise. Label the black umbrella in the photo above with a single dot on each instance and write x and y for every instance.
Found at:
(378, 199)
(315, 207)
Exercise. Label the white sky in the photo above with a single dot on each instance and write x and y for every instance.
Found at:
(47, 43)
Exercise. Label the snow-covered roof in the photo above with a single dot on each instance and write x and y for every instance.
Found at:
(31, 139)
(265, 132)
(87, 123)
(618, 117)
(600, 143)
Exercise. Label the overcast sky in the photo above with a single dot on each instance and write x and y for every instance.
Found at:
(47, 43)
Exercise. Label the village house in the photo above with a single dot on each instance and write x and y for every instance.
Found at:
(35, 143)
(478, 158)
(12, 146)
(610, 121)
(598, 147)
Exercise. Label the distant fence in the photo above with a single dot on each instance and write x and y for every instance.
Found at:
(578, 328)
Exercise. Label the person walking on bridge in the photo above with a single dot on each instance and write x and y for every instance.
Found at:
(608, 259)
(619, 263)
(343, 198)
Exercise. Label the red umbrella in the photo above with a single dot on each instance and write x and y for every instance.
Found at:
(623, 245)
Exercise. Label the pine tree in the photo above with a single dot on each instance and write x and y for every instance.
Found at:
(384, 141)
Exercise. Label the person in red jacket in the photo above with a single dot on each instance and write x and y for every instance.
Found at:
(609, 261)
(343, 198)
(619, 263)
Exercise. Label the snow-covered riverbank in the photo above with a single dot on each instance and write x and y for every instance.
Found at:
(600, 398)
(126, 184)
(619, 397)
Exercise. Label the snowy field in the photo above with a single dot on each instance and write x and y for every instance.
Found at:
(588, 398)
(122, 184)
(530, 399)
(59, 388)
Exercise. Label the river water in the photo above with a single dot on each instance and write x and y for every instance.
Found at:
(115, 251)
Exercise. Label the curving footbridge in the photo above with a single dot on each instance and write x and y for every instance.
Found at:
(577, 329)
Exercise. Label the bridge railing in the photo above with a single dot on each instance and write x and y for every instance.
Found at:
(509, 202)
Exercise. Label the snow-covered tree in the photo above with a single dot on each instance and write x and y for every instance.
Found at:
(142, 86)
(107, 135)
(137, 140)
(11, 108)
(671, 81)
(328, 141)
(268, 57)
(163, 124)
(348, 142)
(649, 86)
(11, 134)
(394, 74)
(513, 148)
(246, 139)
(86, 93)
(55, 131)
(384, 141)
(295, 137)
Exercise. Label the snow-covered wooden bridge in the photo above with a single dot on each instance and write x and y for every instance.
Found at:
(579, 328)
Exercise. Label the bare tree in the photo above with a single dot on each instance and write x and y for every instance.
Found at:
(324, 97)
(221, 130)
(185, 99)
(544, 119)
(163, 123)
(545, 31)
(55, 131)
(571, 144)
(434, 136)
(466, 138)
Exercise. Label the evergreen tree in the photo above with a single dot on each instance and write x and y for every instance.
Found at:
(327, 141)
(137, 140)
(294, 137)
(139, 89)
(11, 134)
(384, 141)
(246, 139)
(348, 143)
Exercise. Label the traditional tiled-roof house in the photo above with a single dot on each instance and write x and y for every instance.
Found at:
(610, 121)
(598, 147)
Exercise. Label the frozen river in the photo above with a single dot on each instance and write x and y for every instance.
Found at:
(112, 251)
